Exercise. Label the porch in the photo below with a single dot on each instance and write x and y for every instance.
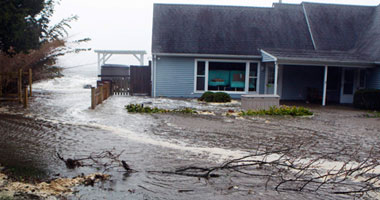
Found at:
(315, 76)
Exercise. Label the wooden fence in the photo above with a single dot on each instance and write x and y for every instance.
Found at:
(140, 82)
(22, 86)
(101, 93)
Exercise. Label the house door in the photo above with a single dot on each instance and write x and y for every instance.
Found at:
(269, 79)
(348, 86)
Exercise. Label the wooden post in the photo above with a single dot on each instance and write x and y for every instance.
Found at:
(25, 97)
(1, 85)
(108, 89)
(101, 94)
(30, 82)
(20, 85)
(93, 98)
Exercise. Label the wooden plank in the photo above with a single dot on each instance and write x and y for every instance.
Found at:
(93, 97)
(30, 81)
(101, 94)
(1, 85)
(25, 97)
(20, 85)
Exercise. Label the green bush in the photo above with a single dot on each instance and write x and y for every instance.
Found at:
(207, 96)
(368, 99)
(140, 108)
(222, 97)
(219, 97)
(282, 110)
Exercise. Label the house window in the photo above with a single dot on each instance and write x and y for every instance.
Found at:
(226, 76)
(201, 75)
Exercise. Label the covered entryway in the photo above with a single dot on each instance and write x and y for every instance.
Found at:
(314, 76)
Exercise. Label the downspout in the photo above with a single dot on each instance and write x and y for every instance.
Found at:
(154, 74)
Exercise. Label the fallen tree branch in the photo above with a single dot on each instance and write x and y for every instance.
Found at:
(298, 174)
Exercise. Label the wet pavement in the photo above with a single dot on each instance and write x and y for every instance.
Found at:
(59, 120)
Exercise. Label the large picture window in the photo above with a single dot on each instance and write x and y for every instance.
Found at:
(226, 76)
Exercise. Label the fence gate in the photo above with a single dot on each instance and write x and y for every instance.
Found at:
(140, 80)
(119, 83)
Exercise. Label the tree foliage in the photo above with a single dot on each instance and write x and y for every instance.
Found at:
(29, 41)
(24, 25)
(20, 30)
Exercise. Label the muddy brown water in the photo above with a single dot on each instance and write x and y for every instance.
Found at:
(60, 121)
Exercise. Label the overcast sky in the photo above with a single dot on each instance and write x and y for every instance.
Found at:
(127, 24)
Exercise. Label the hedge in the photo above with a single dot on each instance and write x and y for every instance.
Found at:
(368, 99)
(220, 97)
(282, 110)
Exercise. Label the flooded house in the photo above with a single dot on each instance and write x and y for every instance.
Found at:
(307, 51)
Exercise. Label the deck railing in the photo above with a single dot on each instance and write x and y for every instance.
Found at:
(22, 86)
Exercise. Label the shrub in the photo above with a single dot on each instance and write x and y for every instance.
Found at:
(207, 96)
(368, 99)
(282, 110)
(140, 108)
(219, 97)
(222, 97)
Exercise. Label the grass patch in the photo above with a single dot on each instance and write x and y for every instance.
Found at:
(25, 173)
(140, 108)
(374, 114)
(6, 198)
(279, 111)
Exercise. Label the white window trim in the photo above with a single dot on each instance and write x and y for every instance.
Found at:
(247, 68)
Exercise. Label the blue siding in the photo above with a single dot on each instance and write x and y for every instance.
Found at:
(296, 79)
(373, 80)
(175, 77)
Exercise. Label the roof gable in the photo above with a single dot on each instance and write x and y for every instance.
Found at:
(369, 43)
(337, 27)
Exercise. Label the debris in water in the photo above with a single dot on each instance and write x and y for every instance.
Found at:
(56, 187)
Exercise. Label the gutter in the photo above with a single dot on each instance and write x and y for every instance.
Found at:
(305, 61)
(208, 55)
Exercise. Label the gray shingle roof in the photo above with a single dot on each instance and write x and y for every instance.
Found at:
(337, 27)
(317, 56)
(227, 29)
(369, 43)
(340, 31)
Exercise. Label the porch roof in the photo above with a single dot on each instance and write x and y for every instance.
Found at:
(316, 57)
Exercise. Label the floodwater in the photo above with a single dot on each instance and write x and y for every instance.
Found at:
(59, 120)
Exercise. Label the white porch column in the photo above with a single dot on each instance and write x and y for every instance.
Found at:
(141, 59)
(275, 78)
(325, 86)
